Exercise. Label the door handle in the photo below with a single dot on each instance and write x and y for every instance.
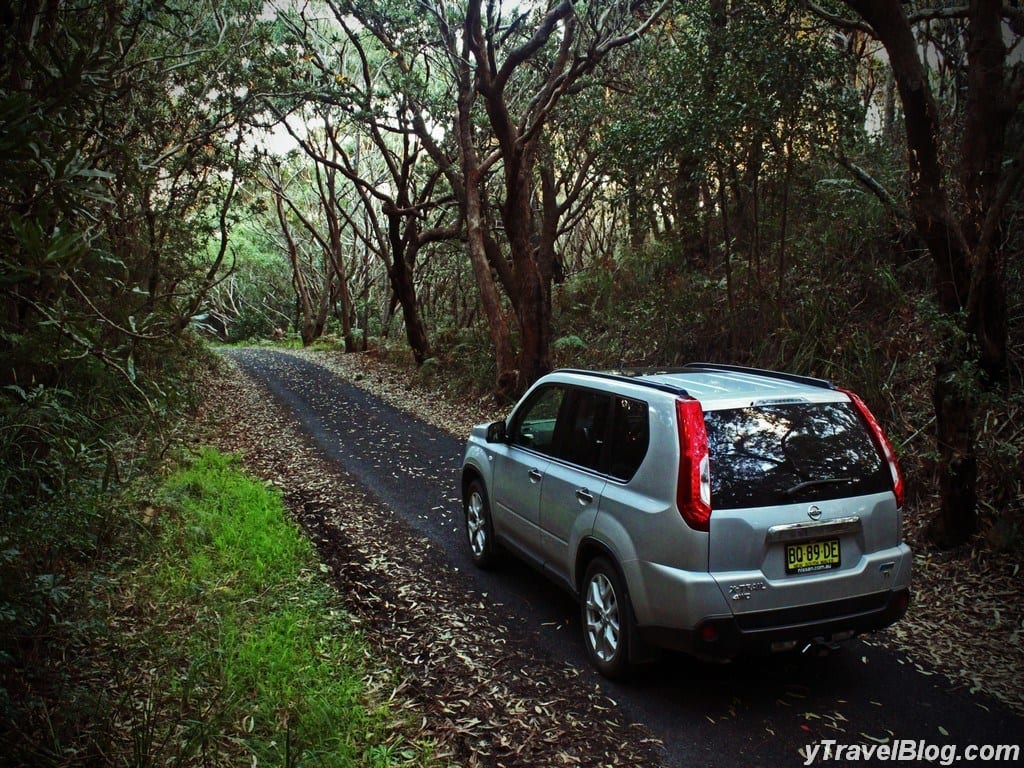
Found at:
(535, 475)
(584, 496)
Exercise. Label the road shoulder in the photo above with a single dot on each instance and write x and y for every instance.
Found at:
(473, 685)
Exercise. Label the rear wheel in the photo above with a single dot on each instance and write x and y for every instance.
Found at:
(479, 529)
(607, 619)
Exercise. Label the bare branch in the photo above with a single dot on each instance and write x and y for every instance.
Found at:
(1013, 15)
(629, 37)
(839, 21)
(540, 38)
(1013, 176)
(874, 186)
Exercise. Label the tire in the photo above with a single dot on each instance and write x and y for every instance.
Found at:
(479, 528)
(607, 619)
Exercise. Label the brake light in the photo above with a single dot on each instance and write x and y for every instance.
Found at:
(693, 492)
(883, 444)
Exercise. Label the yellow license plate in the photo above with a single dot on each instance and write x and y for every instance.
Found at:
(811, 556)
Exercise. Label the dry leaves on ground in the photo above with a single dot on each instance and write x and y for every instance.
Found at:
(967, 617)
(470, 685)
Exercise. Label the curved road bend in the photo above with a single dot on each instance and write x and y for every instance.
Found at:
(757, 712)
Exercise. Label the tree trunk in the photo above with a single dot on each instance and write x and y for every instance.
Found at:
(303, 305)
(337, 263)
(533, 275)
(987, 116)
(686, 208)
(727, 236)
(506, 375)
(634, 207)
(955, 409)
(550, 215)
(933, 219)
(403, 256)
(969, 263)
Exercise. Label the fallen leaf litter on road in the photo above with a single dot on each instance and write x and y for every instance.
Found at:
(471, 685)
(966, 620)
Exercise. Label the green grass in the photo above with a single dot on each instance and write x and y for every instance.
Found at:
(263, 666)
(202, 633)
(220, 643)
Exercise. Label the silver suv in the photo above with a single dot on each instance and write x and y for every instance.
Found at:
(712, 509)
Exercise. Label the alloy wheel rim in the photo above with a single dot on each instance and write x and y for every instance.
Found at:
(475, 526)
(602, 618)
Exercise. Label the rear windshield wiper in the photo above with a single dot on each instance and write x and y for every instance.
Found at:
(814, 483)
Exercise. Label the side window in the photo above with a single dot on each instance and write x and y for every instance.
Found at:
(586, 429)
(630, 436)
(535, 426)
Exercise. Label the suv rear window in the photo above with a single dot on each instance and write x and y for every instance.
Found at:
(777, 454)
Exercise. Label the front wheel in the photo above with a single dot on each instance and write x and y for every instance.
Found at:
(607, 619)
(479, 529)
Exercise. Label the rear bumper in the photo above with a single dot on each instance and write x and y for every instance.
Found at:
(783, 629)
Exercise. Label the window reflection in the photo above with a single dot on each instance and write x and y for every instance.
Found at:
(630, 437)
(535, 427)
(776, 454)
(585, 427)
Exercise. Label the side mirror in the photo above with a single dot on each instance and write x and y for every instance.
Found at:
(496, 432)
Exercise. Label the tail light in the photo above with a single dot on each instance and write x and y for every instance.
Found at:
(693, 492)
(883, 444)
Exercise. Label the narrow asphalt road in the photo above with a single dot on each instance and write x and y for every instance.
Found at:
(755, 712)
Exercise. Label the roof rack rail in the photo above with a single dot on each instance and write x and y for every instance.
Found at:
(808, 380)
(629, 377)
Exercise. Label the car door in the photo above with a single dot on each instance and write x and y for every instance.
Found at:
(520, 467)
(572, 486)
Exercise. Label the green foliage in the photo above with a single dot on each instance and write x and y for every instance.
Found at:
(213, 641)
(569, 343)
(467, 359)
(40, 438)
(258, 297)
(119, 137)
(116, 163)
(712, 88)
(269, 635)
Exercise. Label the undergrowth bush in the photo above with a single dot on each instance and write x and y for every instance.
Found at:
(210, 639)
(67, 451)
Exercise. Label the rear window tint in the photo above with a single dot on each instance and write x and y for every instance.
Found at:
(779, 454)
(582, 429)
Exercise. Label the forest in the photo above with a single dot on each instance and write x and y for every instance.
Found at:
(484, 191)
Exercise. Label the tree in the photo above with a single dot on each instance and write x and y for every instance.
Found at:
(709, 122)
(508, 71)
(365, 111)
(541, 74)
(120, 153)
(960, 190)
(306, 207)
